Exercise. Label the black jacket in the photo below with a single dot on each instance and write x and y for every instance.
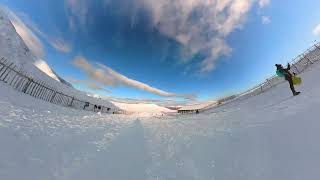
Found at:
(285, 71)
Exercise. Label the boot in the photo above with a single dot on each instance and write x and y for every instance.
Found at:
(296, 93)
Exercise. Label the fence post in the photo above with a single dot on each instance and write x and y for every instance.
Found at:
(47, 91)
(269, 83)
(24, 90)
(18, 82)
(54, 95)
(3, 65)
(5, 70)
(10, 69)
(71, 103)
(13, 80)
(43, 92)
(296, 68)
(308, 59)
(37, 89)
(34, 88)
(40, 91)
(58, 98)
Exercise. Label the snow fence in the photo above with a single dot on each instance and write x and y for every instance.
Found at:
(22, 82)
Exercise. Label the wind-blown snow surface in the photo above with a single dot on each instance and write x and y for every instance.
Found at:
(270, 136)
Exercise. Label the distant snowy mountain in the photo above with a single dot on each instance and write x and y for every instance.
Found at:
(142, 108)
(201, 106)
(174, 107)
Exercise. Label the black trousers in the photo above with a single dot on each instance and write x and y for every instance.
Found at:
(289, 79)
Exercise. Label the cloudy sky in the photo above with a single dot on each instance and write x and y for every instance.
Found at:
(165, 49)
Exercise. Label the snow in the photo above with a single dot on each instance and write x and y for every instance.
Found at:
(269, 136)
(199, 106)
(44, 67)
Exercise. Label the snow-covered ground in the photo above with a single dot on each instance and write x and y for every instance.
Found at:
(203, 106)
(270, 136)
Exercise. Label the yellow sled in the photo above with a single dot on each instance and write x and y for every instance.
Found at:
(296, 80)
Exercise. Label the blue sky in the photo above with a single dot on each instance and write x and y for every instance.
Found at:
(168, 49)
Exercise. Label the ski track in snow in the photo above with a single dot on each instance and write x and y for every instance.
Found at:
(270, 136)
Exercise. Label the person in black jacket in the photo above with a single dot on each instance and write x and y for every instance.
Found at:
(288, 76)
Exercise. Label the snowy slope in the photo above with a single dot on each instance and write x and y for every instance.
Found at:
(13, 48)
(202, 106)
(31, 44)
(142, 108)
(44, 67)
(270, 136)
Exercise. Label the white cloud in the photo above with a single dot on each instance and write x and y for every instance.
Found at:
(200, 26)
(108, 77)
(316, 30)
(89, 84)
(166, 102)
(77, 12)
(219, 48)
(61, 45)
(263, 3)
(265, 20)
(56, 42)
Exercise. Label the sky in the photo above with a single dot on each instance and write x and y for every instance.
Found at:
(166, 50)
